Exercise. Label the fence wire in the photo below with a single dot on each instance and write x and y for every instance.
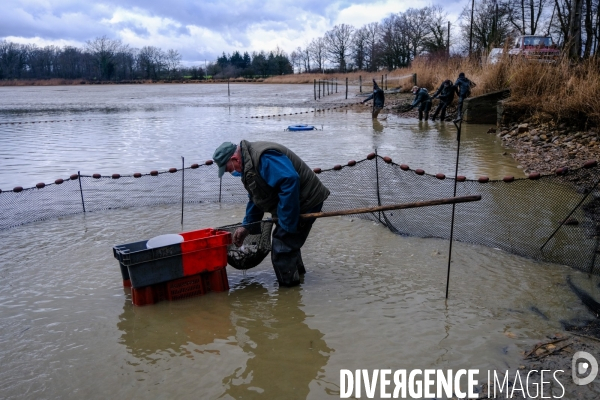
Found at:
(557, 212)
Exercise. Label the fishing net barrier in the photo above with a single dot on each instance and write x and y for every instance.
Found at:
(553, 218)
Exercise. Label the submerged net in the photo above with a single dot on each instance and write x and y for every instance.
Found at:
(255, 248)
(553, 218)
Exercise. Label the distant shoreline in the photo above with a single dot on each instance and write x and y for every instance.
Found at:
(77, 82)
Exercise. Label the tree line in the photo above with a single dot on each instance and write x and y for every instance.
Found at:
(398, 39)
(104, 59)
(392, 43)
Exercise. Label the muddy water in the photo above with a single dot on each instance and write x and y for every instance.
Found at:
(370, 299)
(51, 132)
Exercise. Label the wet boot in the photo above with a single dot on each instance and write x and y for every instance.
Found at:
(420, 115)
(458, 116)
(443, 115)
(426, 115)
(300, 265)
(434, 116)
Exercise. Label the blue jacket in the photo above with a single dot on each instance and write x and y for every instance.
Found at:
(278, 172)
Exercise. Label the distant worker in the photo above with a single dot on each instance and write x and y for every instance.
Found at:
(378, 99)
(280, 183)
(463, 89)
(446, 94)
(423, 100)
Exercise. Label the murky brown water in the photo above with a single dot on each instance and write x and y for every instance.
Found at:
(370, 299)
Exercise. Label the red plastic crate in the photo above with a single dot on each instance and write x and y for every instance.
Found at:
(204, 250)
(190, 286)
(182, 288)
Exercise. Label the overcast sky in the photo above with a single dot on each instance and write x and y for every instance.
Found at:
(199, 30)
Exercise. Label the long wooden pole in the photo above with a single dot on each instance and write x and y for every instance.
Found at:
(426, 203)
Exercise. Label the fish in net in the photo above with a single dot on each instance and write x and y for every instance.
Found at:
(255, 248)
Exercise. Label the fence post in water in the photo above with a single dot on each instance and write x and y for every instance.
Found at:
(336, 79)
(360, 84)
(382, 82)
(315, 88)
(415, 79)
(182, 187)
(319, 89)
(227, 87)
(346, 88)
(80, 189)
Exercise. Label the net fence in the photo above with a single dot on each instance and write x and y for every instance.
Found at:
(550, 218)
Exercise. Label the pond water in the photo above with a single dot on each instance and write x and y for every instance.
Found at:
(370, 299)
(125, 129)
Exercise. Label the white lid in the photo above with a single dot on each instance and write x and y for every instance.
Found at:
(164, 240)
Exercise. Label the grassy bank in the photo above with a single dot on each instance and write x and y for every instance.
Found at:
(557, 93)
(561, 92)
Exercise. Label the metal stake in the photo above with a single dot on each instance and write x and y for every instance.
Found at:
(458, 127)
(81, 190)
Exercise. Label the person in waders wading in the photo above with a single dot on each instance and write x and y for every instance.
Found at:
(446, 94)
(463, 89)
(280, 183)
(423, 100)
(378, 99)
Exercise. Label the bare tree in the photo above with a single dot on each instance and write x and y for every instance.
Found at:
(104, 50)
(172, 61)
(436, 40)
(359, 47)
(525, 15)
(395, 45)
(296, 60)
(338, 42)
(574, 38)
(317, 50)
(373, 47)
(418, 22)
(151, 60)
(306, 58)
(490, 25)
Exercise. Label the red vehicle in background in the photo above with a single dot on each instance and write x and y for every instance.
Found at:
(536, 48)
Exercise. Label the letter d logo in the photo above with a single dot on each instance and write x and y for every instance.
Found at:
(580, 368)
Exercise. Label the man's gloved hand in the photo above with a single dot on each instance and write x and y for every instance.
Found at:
(239, 235)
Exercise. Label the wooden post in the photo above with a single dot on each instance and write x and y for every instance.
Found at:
(315, 88)
(336, 84)
(360, 83)
(346, 88)
(227, 87)
(415, 79)
(382, 82)
(319, 89)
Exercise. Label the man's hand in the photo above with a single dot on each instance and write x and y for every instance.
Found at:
(239, 235)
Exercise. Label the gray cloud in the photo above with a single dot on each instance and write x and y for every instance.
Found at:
(228, 25)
